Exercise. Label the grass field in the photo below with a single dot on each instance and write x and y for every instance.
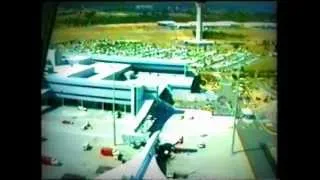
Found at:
(145, 32)
(265, 63)
(150, 32)
(249, 34)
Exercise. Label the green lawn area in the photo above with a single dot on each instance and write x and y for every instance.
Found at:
(265, 63)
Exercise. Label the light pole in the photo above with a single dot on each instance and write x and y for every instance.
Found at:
(236, 111)
(113, 113)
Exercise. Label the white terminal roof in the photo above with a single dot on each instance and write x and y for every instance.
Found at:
(109, 67)
(77, 57)
(139, 60)
(103, 69)
(167, 22)
(152, 79)
(67, 70)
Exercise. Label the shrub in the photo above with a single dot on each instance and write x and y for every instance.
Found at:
(212, 34)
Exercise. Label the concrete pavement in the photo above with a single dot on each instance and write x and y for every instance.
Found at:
(65, 141)
(216, 160)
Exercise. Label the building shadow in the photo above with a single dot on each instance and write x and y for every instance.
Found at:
(49, 109)
(195, 86)
(247, 150)
(162, 164)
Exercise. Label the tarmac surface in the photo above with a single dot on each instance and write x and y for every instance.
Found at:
(253, 136)
(216, 160)
(64, 141)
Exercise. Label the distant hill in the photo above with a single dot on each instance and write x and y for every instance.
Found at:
(90, 13)
(269, 7)
(263, 7)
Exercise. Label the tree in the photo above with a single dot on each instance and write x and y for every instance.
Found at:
(234, 76)
(165, 13)
(89, 15)
(242, 69)
(236, 45)
(266, 44)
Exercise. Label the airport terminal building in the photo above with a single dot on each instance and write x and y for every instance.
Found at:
(125, 81)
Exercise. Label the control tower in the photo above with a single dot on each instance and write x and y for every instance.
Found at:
(199, 28)
(199, 22)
